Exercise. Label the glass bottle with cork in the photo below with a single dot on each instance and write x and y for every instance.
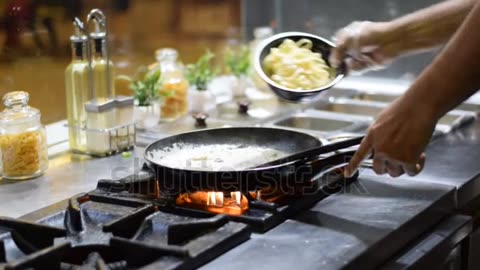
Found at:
(174, 86)
(76, 88)
(23, 141)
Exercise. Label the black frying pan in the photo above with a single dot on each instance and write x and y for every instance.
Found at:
(175, 180)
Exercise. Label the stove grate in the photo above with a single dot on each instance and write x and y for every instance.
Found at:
(101, 235)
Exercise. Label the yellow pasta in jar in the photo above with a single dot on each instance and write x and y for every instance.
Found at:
(295, 66)
(23, 154)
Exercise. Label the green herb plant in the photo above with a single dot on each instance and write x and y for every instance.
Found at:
(201, 73)
(238, 61)
(146, 86)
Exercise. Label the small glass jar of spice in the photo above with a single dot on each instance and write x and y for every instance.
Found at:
(23, 144)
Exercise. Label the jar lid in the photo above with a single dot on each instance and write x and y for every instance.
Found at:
(17, 108)
(166, 54)
(100, 105)
(124, 101)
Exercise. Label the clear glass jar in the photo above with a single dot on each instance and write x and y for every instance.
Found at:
(23, 143)
(174, 90)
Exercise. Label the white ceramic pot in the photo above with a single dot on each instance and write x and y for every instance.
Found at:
(240, 85)
(201, 101)
(146, 116)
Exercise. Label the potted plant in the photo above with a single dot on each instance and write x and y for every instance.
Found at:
(238, 64)
(199, 75)
(145, 87)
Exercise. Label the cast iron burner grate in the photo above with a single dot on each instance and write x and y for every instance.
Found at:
(94, 233)
(261, 215)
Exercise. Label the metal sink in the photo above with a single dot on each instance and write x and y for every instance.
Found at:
(454, 119)
(378, 97)
(388, 98)
(323, 122)
(451, 120)
(469, 106)
(351, 107)
(448, 119)
(256, 111)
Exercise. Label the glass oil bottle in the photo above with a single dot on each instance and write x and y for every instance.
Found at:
(103, 69)
(77, 87)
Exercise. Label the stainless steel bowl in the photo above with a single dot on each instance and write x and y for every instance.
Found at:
(320, 45)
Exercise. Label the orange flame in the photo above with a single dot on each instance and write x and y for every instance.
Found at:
(215, 202)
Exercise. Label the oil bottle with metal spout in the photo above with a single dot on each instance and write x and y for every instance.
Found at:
(77, 89)
(103, 69)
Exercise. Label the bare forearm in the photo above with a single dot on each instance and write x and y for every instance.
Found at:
(454, 75)
(429, 27)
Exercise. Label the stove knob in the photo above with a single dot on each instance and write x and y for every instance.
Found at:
(200, 119)
(243, 106)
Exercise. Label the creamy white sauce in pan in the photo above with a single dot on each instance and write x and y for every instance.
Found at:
(216, 157)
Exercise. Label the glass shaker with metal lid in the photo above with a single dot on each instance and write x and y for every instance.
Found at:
(23, 142)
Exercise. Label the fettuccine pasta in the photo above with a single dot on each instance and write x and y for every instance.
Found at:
(295, 66)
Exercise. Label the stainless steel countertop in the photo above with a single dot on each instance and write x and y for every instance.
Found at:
(67, 175)
(362, 226)
(453, 160)
(348, 229)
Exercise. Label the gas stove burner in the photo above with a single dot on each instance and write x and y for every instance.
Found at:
(119, 234)
(120, 254)
(261, 209)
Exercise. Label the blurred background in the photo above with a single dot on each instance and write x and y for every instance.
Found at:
(35, 47)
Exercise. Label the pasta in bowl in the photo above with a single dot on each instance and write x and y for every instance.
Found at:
(295, 67)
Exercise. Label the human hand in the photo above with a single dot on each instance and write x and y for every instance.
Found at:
(397, 140)
(365, 46)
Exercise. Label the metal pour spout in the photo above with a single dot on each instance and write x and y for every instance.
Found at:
(100, 38)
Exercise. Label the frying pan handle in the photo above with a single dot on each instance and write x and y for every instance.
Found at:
(343, 144)
(305, 156)
(331, 164)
